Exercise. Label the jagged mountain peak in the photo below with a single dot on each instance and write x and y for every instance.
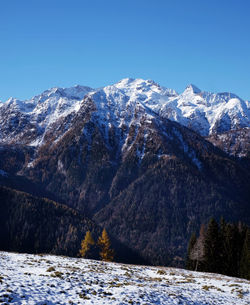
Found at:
(206, 113)
(142, 85)
(76, 92)
(131, 84)
(192, 88)
(10, 100)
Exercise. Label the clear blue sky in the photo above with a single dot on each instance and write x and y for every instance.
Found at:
(47, 43)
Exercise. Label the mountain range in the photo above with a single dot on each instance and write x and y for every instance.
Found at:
(27, 122)
(145, 162)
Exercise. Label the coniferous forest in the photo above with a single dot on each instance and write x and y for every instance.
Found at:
(35, 225)
(31, 224)
(221, 248)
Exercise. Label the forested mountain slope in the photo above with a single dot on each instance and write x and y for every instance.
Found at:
(113, 155)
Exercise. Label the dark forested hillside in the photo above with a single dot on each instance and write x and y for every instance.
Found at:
(163, 206)
(31, 224)
(39, 225)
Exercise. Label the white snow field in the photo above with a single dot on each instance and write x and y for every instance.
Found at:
(47, 279)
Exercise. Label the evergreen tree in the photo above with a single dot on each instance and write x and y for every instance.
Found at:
(224, 249)
(87, 246)
(245, 257)
(231, 251)
(106, 253)
(212, 248)
(224, 245)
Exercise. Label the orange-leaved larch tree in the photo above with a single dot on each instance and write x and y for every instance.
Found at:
(106, 253)
(87, 246)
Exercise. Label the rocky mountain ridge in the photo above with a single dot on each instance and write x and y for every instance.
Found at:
(28, 122)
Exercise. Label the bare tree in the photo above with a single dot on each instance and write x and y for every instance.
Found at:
(198, 252)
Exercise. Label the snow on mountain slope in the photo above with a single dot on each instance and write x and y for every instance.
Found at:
(127, 101)
(26, 122)
(204, 112)
(46, 279)
(207, 113)
(233, 142)
(122, 110)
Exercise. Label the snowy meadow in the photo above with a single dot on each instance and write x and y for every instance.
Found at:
(47, 279)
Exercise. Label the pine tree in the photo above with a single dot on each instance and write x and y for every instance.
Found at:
(231, 256)
(224, 246)
(245, 257)
(87, 246)
(106, 253)
(212, 248)
(224, 249)
(232, 239)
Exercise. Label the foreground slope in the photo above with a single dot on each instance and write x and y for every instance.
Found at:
(44, 279)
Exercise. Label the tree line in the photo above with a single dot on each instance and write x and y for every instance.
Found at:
(220, 248)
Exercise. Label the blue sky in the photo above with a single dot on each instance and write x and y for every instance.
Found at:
(63, 43)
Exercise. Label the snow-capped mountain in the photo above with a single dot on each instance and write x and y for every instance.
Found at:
(26, 122)
(207, 113)
(113, 154)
